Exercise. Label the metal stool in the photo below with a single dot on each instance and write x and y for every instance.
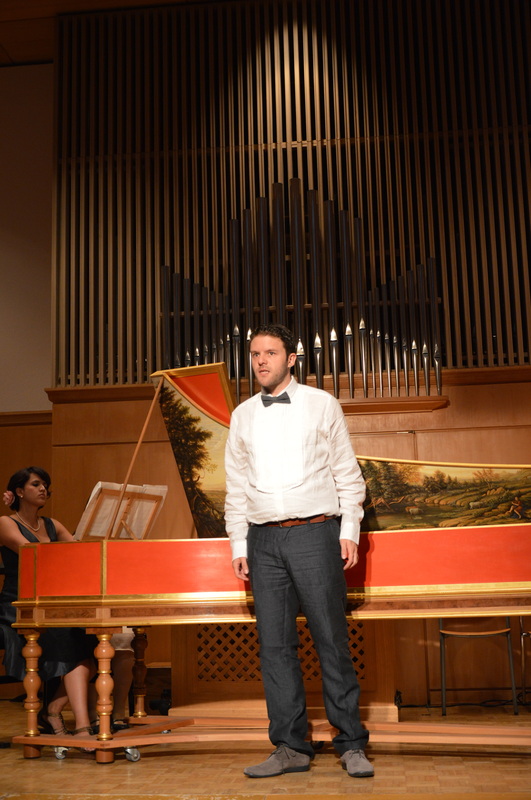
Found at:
(445, 633)
(523, 634)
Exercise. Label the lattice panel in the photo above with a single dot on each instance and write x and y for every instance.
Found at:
(230, 652)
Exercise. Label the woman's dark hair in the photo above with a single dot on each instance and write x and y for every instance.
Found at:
(279, 332)
(20, 479)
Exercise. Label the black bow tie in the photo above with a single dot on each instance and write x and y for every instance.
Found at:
(267, 399)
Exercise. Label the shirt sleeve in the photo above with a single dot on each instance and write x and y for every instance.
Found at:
(349, 481)
(236, 523)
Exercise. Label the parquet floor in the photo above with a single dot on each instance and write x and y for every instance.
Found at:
(214, 772)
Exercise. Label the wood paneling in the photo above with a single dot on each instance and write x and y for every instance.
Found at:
(25, 440)
(96, 441)
(485, 424)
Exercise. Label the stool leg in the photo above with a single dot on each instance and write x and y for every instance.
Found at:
(511, 667)
(523, 634)
(442, 643)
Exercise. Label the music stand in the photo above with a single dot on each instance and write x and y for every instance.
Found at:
(115, 512)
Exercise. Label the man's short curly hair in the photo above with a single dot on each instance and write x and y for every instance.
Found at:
(279, 332)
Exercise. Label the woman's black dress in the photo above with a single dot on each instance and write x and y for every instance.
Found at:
(62, 648)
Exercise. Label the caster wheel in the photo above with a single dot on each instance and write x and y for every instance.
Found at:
(60, 752)
(132, 754)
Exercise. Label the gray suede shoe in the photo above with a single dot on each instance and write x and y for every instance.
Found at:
(357, 764)
(282, 759)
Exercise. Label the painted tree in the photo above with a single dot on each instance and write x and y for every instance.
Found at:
(388, 481)
(189, 444)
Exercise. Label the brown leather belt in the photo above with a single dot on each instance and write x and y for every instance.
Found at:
(289, 523)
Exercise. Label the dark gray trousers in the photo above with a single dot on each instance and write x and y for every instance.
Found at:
(300, 569)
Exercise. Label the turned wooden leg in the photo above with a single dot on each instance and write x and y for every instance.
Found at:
(104, 684)
(139, 671)
(32, 683)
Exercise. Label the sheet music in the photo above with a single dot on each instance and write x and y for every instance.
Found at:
(138, 508)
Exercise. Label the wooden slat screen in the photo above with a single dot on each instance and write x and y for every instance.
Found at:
(410, 115)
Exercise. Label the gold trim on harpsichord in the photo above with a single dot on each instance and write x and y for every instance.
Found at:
(103, 572)
(149, 614)
(452, 464)
(34, 573)
(96, 601)
(496, 590)
(443, 590)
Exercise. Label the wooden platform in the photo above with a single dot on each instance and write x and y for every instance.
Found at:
(177, 730)
(214, 770)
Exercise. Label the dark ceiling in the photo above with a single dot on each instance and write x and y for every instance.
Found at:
(27, 27)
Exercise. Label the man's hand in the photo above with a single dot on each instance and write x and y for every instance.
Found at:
(349, 553)
(241, 569)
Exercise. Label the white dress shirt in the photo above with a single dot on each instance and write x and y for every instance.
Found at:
(292, 460)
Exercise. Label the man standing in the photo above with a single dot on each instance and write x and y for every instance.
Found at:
(293, 509)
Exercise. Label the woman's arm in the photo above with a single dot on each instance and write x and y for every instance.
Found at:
(63, 535)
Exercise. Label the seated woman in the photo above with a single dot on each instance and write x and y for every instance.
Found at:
(67, 653)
